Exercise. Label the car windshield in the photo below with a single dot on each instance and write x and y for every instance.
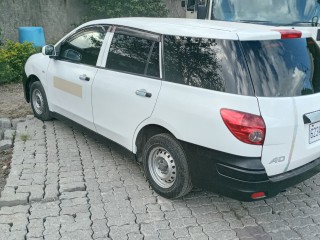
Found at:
(271, 12)
(283, 68)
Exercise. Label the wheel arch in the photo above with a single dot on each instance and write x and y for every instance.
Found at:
(145, 132)
(31, 79)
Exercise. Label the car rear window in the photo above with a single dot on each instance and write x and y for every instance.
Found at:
(207, 63)
(283, 68)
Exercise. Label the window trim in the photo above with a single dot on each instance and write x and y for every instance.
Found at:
(161, 56)
(105, 27)
(162, 65)
(137, 33)
(148, 59)
(129, 73)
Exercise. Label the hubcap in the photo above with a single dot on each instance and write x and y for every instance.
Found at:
(162, 167)
(37, 101)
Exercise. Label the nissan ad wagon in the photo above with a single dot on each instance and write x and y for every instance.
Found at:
(230, 107)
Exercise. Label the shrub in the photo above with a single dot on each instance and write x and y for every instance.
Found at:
(125, 8)
(13, 56)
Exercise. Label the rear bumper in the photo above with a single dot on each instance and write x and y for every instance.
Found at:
(239, 177)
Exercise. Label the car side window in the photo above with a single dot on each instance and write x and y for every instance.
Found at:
(134, 54)
(83, 47)
(212, 64)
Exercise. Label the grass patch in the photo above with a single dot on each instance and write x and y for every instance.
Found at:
(24, 137)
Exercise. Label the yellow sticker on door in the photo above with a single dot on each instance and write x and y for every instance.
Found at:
(67, 87)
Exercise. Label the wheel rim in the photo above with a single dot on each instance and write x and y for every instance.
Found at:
(162, 167)
(37, 101)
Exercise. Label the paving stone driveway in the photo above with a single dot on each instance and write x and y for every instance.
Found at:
(67, 185)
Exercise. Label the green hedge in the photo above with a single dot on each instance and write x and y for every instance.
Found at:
(13, 57)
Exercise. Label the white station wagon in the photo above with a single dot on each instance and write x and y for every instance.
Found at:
(230, 107)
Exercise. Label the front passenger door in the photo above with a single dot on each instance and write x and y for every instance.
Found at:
(70, 77)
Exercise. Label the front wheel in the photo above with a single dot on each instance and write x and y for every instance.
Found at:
(39, 102)
(166, 166)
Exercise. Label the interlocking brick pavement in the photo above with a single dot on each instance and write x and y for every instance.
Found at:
(65, 184)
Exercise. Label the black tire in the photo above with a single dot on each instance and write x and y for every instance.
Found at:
(163, 148)
(39, 102)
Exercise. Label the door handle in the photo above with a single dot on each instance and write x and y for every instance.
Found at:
(84, 77)
(143, 93)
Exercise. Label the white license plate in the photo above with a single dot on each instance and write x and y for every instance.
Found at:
(314, 132)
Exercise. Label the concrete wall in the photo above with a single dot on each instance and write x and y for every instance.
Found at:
(57, 17)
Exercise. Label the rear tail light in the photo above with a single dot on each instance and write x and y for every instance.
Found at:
(246, 127)
(289, 33)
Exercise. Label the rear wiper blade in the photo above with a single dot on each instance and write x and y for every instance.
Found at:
(313, 23)
(253, 21)
(297, 22)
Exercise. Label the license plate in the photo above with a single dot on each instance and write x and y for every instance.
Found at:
(314, 132)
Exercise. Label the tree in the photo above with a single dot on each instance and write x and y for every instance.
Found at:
(125, 8)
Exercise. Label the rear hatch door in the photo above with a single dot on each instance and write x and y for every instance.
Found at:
(286, 78)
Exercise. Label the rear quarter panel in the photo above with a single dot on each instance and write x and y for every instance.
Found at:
(193, 115)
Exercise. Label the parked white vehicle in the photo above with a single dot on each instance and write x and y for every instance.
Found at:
(230, 107)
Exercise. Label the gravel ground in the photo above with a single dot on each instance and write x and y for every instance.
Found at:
(12, 102)
(12, 105)
(5, 160)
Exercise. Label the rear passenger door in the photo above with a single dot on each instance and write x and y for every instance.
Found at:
(127, 85)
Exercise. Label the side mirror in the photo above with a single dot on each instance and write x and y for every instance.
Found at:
(183, 3)
(202, 12)
(48, 50)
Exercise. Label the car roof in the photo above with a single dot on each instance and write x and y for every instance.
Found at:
(198, 28)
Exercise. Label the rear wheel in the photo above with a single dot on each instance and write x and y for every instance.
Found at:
(39, 102)
(166, 166)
